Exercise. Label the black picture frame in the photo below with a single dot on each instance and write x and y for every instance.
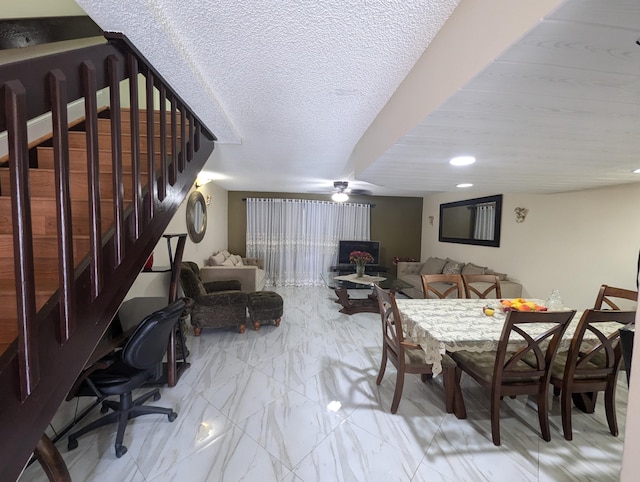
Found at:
(462, 214)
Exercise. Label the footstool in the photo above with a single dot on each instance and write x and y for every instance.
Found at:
(264, 306)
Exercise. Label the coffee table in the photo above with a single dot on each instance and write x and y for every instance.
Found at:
(342, 282)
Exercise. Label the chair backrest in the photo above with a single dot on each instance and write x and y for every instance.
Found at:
(147, 345)
(392, 335)
(607, 292)
(589, 360)
(453, 285)
(530, 336)
(190, 281)
(481, 285)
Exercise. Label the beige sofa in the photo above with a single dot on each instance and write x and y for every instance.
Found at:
(410, 272)
(225, 266)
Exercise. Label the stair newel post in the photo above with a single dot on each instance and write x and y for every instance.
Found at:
(67, 290)
(162, 188)
(134, 122)
(173, 173)
(151, 148)
(93, 177)
(16, 113)
(183, 138)
(113, 65)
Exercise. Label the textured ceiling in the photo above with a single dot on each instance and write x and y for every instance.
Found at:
(296, 91)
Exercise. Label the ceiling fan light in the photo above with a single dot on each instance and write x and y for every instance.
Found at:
(340, 197)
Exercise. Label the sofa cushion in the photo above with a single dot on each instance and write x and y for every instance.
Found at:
(236, 259)
(228, 262)
(471, 268)
(216, 259)
(452, 267)
(224, 253)
(501, 276)
(433, 266)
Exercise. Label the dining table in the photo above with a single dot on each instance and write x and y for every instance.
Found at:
(448, 325)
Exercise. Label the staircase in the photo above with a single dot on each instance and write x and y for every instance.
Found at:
(81, 209)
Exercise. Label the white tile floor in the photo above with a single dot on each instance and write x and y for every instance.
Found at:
(300, 403)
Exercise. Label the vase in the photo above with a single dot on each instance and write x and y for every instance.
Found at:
(359, 270)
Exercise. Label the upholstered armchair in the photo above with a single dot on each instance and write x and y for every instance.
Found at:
(216, 304)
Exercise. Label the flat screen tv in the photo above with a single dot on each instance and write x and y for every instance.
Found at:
(346, 247)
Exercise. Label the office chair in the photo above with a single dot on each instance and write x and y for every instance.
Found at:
(124, 371)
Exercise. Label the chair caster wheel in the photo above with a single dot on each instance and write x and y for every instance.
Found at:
(172, 416)
(104, 409)
(156, 397)
(73, 444)
(120, 451)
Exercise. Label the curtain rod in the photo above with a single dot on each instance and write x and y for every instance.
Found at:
(370, 204)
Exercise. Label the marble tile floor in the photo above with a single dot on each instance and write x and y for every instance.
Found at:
(299, 403)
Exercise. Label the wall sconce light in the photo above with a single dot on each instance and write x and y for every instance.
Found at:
(521, 214)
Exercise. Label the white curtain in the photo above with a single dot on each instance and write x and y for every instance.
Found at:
(298, 238)
(485, 221)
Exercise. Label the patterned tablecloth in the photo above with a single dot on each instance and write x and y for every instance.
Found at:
(457, 324)
(365, 279)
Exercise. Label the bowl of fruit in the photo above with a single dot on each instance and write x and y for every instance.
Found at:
(520, 304)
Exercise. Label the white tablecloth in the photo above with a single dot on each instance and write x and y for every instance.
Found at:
(364, 279)
(457, 324)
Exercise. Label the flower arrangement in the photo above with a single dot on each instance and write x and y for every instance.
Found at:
(360, 258)
(397, 259)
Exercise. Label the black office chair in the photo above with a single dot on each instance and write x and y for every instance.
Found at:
(132, 367)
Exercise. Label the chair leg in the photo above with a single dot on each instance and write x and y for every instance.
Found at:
(397, 394)
(459, 409)
(495, 419)
(543, 414)
(197, 330)
(610, 407)
(565, 410)
(383, 366)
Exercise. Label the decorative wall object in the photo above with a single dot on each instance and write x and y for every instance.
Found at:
(521, 214)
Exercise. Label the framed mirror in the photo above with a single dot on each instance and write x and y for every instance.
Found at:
(472, 221)
(196, 216)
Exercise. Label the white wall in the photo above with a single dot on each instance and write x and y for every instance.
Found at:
(215, 239)
(572, 242)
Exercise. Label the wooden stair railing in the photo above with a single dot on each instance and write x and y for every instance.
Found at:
(88, 206)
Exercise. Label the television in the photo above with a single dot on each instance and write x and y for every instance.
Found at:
(346, 247)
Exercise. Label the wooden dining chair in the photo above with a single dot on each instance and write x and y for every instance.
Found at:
(504, 372)
(406, 356)
(589, 368)
(481, 285)
(606, 294)
(448, 285)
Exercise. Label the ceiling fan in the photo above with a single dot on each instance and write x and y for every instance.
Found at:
(341, 191)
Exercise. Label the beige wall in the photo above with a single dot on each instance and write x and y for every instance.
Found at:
(39, 8)
(572, 242)
(215, 238)
(395, 222)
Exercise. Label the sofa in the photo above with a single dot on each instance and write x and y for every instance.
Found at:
(226, 266)
(410, 272)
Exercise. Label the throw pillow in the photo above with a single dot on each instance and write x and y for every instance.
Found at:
(452, 267)
(216, 260)
(433, 266)
(237, 259)
(225, 253)
(501, 276)
(228, 262)
(471, 268)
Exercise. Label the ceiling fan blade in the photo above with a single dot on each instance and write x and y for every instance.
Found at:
(360, 192)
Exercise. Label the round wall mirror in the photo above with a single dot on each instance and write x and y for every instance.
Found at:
(196, 216)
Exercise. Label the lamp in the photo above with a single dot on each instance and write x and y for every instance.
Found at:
(340, 197)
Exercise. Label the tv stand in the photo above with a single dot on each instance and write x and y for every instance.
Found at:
(351, 268)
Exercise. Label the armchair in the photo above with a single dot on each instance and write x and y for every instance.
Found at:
(216, 304)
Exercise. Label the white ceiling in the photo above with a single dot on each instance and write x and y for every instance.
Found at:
(385, 92)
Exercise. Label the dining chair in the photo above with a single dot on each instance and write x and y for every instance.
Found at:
(504, 372)
(589, 368)
(406, 356)
(442, 285)
(606, 293)
(481, 285)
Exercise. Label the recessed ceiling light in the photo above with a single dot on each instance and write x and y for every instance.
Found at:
(637, 171)
(465, 184)
(462, 161)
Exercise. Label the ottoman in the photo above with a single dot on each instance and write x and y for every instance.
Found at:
(264, 306)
